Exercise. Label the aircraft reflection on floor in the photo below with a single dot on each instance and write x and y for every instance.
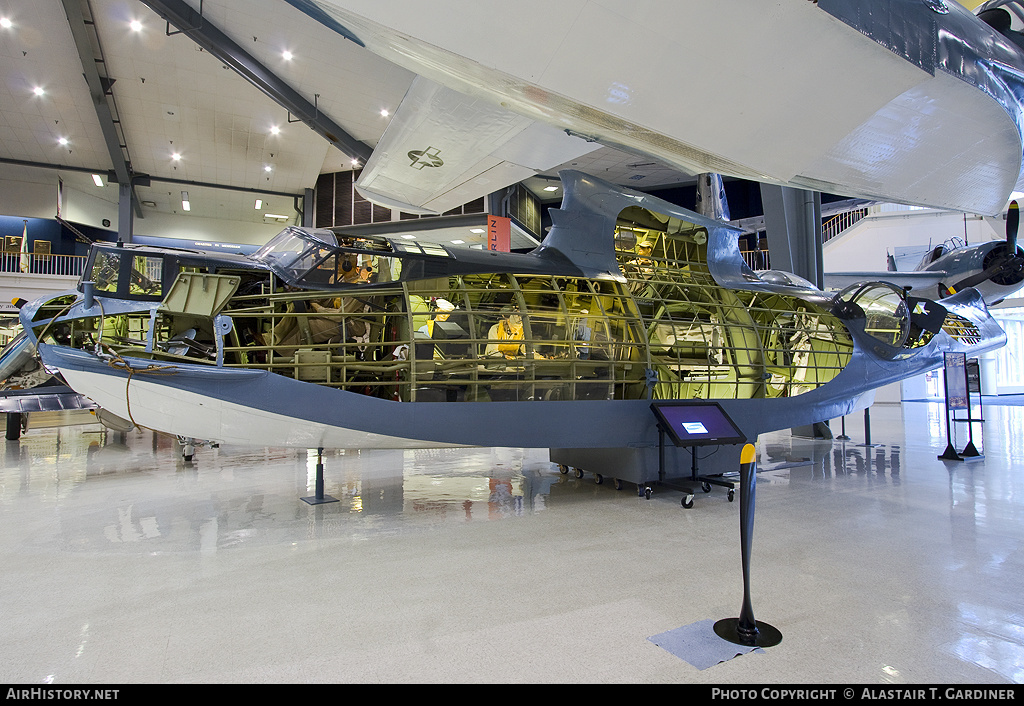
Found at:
(799, 459)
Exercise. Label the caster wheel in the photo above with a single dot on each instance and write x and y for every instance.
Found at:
(687, 501)
(705, 486)
(647, 493)
(598, 478)
(732, 494)
(578, 472)
(617, 484)
(563, 469)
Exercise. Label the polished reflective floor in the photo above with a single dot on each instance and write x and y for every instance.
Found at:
(878, 564)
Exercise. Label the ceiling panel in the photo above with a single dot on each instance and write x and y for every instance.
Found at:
(174, 98)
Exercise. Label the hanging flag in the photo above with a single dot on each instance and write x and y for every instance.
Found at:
(25, 262)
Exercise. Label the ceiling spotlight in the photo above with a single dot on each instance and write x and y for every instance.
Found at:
(287, 55)
(63, 141)
(275, 130)
(38, 90)
(266, 168)
(5, 23)
(184, 201)
(384, 112)
(550, 188)
(355, 162)
(176, 157)
(259, 204)
(136, 26)
(97, 180)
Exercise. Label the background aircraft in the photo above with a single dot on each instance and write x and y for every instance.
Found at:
(994, 268)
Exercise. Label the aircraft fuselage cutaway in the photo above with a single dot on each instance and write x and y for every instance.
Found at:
(321, 339)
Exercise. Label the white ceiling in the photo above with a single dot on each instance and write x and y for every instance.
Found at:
(172, 97)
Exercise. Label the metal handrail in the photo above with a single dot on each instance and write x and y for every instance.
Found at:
(840, 222)
(33, 263)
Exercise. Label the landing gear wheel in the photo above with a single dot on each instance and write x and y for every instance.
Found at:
(732, 494)
(563, 469)
(705, 486)
(598, 478)
(687, 501)
(578, 472)
(617, 484)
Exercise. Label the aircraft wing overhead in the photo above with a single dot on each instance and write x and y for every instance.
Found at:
(443, 149)
(914, 280)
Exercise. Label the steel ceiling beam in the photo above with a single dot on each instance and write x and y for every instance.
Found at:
(99, 90)
(210, 38)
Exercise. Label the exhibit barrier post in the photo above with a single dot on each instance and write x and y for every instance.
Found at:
(745, 630)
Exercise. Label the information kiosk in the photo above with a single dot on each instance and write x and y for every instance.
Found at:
(694, 423)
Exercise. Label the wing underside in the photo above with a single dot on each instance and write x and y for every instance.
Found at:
(443, 149)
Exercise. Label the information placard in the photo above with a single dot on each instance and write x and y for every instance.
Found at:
(956, 381)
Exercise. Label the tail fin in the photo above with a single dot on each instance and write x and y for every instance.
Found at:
(711, 202)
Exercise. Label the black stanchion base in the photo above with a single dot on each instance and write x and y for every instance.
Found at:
(767, 636)
(971, 452)
(314, 500)
(950, 454)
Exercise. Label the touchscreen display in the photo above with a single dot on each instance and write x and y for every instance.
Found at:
(697, 423)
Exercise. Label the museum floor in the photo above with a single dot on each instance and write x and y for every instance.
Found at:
(879, 565)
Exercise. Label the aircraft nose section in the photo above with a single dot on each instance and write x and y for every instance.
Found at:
(879, 311)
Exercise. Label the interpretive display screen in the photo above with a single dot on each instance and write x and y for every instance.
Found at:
(697, 423)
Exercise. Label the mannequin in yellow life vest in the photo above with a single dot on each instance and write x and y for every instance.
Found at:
(506, 337)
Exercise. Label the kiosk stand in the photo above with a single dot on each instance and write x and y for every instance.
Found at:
(693, 423)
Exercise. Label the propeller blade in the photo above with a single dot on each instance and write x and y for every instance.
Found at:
(1012, 222)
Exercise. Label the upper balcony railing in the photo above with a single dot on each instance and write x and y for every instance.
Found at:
(29, 263)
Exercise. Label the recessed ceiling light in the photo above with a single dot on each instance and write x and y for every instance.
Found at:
(287, 55)
(184, 201)
(458, 242)
(274, 130)
(176, 157)
(136, 26)
(266, 168)
(259, 204)
(384, 112)
(355, 162)
(5, 23)
(409, 237)
(278, 216)
(550, 188)
(97, 180)
(63, 141)
(38, 90)
(476, 230)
